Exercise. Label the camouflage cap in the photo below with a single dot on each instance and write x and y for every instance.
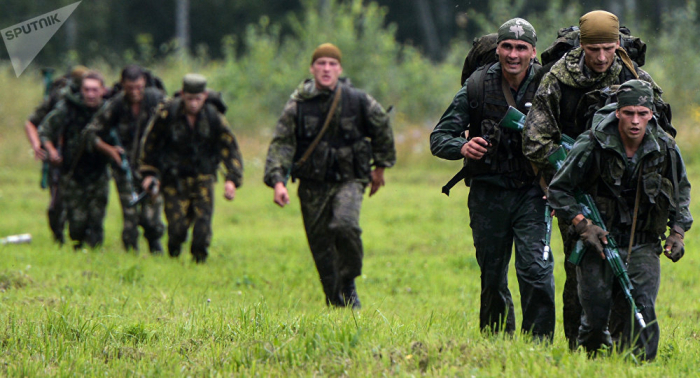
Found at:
(517, 29)
(194, 83)
(635, 93)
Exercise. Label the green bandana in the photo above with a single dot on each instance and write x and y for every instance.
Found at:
(635, 93)
(517, 29)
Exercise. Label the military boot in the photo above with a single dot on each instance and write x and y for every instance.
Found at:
(333, 298)
(349, 295)
(155, 247)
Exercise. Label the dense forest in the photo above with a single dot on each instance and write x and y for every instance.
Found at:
(110, 28)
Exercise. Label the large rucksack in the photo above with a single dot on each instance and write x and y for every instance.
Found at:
(569, 38)
(592, 101)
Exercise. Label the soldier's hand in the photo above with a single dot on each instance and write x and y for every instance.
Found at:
(674, 248)
(281, 194)
(229, 190)
(592, 236)
(54, 157)
(146, 185)
(39, 153)
(475, 148)
(377, 180)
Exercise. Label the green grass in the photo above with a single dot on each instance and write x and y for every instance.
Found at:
(257, 308)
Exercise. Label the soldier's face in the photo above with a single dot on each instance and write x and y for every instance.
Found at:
(92, 91)
(326, 72)
(193, 102)
(633, 122)
(598, 57)
(133, 90)
(515, 56)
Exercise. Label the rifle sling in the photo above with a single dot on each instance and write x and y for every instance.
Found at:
(316, 141)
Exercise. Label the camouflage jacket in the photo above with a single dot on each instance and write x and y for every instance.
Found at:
(64, 125)
(116, 116)
(544, 126)
(171, 149)
(598, 165)
(285, 147)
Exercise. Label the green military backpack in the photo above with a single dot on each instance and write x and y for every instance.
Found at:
(569, 38)
(592, 101)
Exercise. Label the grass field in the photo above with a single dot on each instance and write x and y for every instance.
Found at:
(256, 307)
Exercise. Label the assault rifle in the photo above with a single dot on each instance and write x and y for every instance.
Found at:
(125, 166)
(514, 119)
(612, 255)
(48, 76)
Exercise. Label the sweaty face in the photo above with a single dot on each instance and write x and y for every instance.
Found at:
(133, 90)
(599, 56)
(193, 102)
(92, 91)
(326, 72)
(633, 122)
(515, 56)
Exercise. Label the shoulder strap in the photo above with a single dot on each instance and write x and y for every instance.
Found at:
(315, 142)
(507, 93)
(475, 95)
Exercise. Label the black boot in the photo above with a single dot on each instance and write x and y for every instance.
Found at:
(349, 295)
(155, 247)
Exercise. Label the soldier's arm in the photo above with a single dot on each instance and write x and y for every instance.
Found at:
(380, 133)
(447, 138)
(48, 132)
(572, 176)
(96, 134)
(280, 154)
(33, 136)
(151, 144)
(541, 134)
(230, 154)
(680, 215)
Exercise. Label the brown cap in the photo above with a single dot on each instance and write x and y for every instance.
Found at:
(78, 72)
(194, 83)
(599, 27)
(326, 50)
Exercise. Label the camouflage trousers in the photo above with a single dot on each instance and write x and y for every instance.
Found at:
(604, 304)
(56, 211)
(571, 305)
(85, 202)
(331, 213)
(146, 214)
(189, 202)
(499, 218)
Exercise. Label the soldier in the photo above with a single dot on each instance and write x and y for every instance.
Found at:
(182, 148)
(329, 136)
(84, 175)
(117, 129)
(506, 203)
(69, 83)
(598, 63)
(635, 173)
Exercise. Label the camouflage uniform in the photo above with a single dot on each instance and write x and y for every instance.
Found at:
(333, 179)
(56, 211)
(185, 160)
(117, 118)
(84, 175)
(599, 166)
(553, 113)
(505, 205)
